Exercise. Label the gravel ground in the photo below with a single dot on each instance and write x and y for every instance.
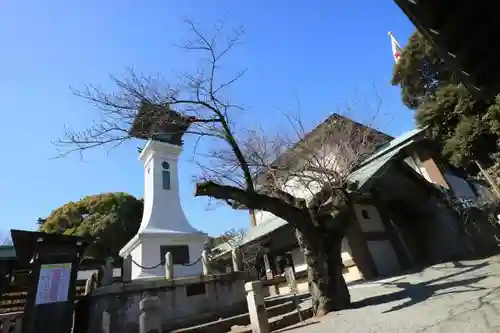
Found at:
(447, 298)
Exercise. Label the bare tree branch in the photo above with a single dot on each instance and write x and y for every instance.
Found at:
(297, 175)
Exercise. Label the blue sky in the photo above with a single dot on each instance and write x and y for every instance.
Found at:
(325, 52)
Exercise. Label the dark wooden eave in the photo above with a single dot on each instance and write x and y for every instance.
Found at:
(25, 244)
(464, 34)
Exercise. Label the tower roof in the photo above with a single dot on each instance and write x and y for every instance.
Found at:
(161, 123)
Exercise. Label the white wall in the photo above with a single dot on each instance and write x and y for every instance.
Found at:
(460, 187)
(299, 260)
(368, 218)
(136, 255)
(383, 253)
(415, 163)
(85, 274)
(162, 207)
(150, 256)
(300, 188)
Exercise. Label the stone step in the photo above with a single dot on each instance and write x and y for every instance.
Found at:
(225, 324)
(236, 314)
(282, 321)
(279, 299)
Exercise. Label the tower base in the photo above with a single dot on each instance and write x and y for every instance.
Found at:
(148, 250)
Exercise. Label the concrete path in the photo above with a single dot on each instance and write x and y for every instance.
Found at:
(446, 298)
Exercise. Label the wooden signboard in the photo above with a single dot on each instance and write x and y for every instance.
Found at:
(53, 283)
(53, 262)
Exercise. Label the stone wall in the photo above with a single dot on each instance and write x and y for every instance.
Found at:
(184, 302)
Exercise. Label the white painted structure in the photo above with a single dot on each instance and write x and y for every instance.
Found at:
(383, 253)
(163, 222)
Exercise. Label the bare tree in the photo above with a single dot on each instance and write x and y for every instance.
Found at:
(251, 253)
(232, 237)
(245, 169)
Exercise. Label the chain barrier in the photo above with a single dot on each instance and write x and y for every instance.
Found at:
(163, 263)
(192, 264)
(148, 268)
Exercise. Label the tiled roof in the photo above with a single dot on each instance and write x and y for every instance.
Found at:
(375, 163)
(263, 229)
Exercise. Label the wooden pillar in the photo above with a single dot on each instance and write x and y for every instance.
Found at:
(268, 265)
(359, 248)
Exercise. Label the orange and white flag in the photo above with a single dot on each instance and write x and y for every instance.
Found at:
(396, 49)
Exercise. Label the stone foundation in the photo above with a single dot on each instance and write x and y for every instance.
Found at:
(183, 302)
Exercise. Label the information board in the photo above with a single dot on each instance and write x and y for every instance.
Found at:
(53, 283)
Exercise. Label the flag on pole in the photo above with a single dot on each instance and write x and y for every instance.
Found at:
(396, 49)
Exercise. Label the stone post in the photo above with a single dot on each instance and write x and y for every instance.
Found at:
(90, 284)
(106, 322)
(107, 277)
(237, 260)
(150, 318)
(127, 269)
(256, 307)
(169, 266)
(205, 262)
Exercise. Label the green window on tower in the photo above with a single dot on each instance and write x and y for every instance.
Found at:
(166, 175)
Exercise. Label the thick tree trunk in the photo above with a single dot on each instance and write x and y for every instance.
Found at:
(327, 285)
(319, 235)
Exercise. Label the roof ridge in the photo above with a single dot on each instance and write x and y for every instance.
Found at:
(385, 150)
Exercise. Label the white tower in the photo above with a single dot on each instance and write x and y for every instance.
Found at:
(164, 227)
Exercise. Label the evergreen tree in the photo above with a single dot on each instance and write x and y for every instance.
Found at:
(467, 129)
(113, 218)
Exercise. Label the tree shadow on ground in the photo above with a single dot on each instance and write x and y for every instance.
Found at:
(422, 291)
(301, 325)
(487, 305)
